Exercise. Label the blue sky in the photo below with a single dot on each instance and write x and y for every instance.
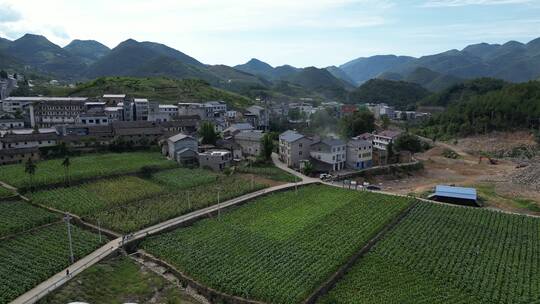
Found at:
(297, 32)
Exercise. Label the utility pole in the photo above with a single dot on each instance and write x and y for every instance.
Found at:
(296, 184)
(67, 218)
(218, 205)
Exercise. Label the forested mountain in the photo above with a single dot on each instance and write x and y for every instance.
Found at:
(88, 50)
(463, 91)
(403, 95)
(514, 106)
(363, 69)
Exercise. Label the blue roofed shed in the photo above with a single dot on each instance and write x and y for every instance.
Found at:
(455, 195)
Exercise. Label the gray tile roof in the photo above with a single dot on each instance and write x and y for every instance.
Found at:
(290, 136)
(179, 137)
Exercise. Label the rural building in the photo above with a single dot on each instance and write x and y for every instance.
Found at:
(216, 160)
(182, 148)
(328, 155)
(160, 113)
(237, 128)
(11, 124)
(258, 117)
(359, 153)
(113, 99)
(294, 148)
(383, 139)
(250, 142)
(455, 195)
(50, 111)
(15, 156)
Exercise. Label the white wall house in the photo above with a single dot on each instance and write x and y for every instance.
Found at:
(294, 148)
(383, 139)
(329, 154)
(359, 153)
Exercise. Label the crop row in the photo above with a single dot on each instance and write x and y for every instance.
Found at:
(183, 178)
(92, 197)
(17, 216)
(5, 193)
(30, 258)
(89, 166)
(442, 254)
(279, 248)
(139, 214)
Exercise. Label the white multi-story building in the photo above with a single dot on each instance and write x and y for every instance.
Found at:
(359, 153)
(329, 154)
(191, 108)
(160, 113)
(114, 113)
(50, 111)
(383, 139)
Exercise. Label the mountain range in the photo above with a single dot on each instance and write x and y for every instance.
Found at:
(88, 59)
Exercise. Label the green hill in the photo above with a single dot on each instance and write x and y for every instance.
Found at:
(88, 50)
(463, 91)
(160, 89)
(401, 94)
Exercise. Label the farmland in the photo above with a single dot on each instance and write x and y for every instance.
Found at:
(182, 178)
(278, 248)
(443, 254)
(84, 167)
(139, 214)
(5, 193)
(268, 171)
(117, 280)
(17, 216)
(24, 265)
(92, 197)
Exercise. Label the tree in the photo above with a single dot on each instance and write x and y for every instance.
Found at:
(308, 168)
(267, 144)
(3, 74)
(66, 164)
(295, 114)
(390, 152)
(408, 142)
(385, 121)
(30, 169)
(208, 133)
(357, 123)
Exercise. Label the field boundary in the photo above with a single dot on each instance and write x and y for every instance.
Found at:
(342, 271)
(16, 234)
(213, 295)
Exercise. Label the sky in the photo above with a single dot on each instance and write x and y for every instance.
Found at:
(297, 32)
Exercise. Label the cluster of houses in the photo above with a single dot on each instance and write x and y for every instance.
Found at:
(30, 125)
(332, 154)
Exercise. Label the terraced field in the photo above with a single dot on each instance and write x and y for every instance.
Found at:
(30, 258)
(281, 247)
(443, 254)
(17, 216)
(89, 166)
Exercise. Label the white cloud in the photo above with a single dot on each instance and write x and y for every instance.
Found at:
(456, 3)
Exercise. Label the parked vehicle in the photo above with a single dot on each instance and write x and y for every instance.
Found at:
(325, 176)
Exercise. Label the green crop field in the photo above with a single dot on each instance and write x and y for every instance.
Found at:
(92, 197)
(443, 254)
(33, 257)
(5, 193)
(269, 171)
(183, 178)
(281, 247)
(89, 166)
(139, 214)
(19, 216)
(118, 280)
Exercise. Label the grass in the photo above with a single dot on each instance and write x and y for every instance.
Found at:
(31, 258)
(19, 216)
(183, 178)
(90, 166)
(279, 248)
(488, 195)
(268, 171)
(444, 254)
(116, 281)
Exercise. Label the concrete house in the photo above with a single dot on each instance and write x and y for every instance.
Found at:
(250, 141)
(359, 153)
(383, 139)
(183, 148)
(329, 154)
(294, 148)
(216, 160)
(237, 128)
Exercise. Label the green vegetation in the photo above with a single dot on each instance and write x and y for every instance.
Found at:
(409, 142)
(89, 166)
(33, 257)
(449, 153)
(91, 197)
(116, 281)
(403, 95)
(208, 133)
(183, 178)
(19, 216)
(463, 91)
(142, 213)
(357, 123)
(490, 197)
(268, 171)
(5, 193)
(163, 89)
(279, 248)
(513, 107)
(444, 254)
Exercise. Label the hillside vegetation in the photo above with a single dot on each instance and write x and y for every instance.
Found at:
(463, 91)
(513, 107)
(403, 95)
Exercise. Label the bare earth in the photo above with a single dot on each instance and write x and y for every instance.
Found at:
(502, 186)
